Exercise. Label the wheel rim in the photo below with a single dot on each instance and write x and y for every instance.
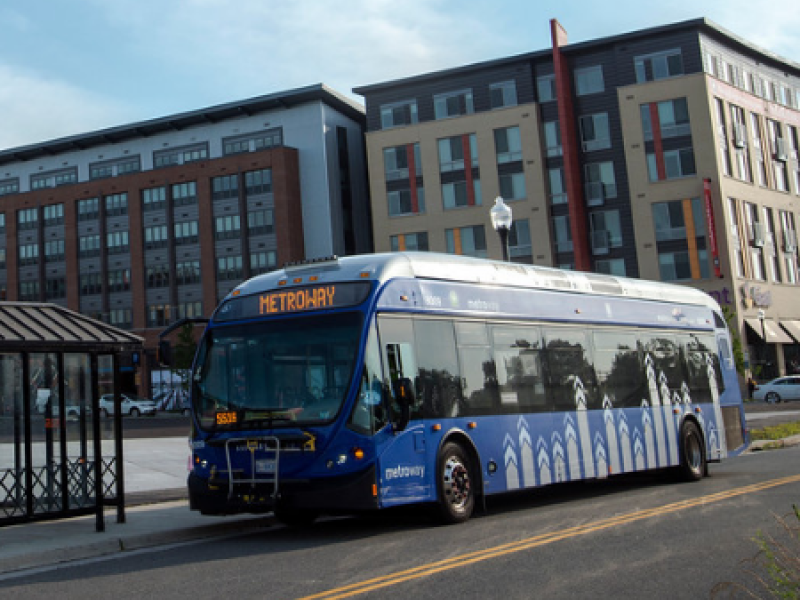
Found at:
(456, 484)
(772, 397)
(694, 454)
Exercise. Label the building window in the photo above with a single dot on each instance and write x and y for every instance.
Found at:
(673, 119)
(470, 241)
(508, 145)
(409, 241)
(184, 194)
(552, 138)
(27, 218)
(89, 209)
(453, 104)
(229, 268)
(601, 183)
(740, 145)
(402, 202)
(186, 233)
(29, 291)
(452, 152)
(263, 262)
(660, 65)
(54, 178)
(154, 199)
(253, 142)
(120, 317)
(91, 284)
(180, 156)
(562, 234)
(53, 215)
(512, 186)
(546, 88)
(558, 191)
(595, 132)
(188, 310)
(736, 238)
(2, 222)
(116, 205)
(225, 187)
(399, 114)
(54, 251)
(519, 240)
(158, 315)
(156, 237)
(671, 218)
(157, 276)
(119, 280)
(117, 242)
(457, 194)
(187, 272)
(260, 222)
(28, 255)
(503, 94)
(789, 245)
(606, 231)
(677, 164)
(227, 228)
(589, 80)
(258, 182)
(2, 258)
(611, 266)
(9, 186)
(676, 266)
(396, 161)
(115, 168)
(88, 246)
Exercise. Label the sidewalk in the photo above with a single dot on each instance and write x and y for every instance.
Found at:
(48, 543)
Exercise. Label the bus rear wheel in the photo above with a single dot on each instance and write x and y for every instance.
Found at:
(692, 453)
(456, 484)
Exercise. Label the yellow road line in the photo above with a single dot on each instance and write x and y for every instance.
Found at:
(469, 558)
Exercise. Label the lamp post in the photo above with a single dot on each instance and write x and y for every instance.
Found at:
(761, 315)
(501, 221)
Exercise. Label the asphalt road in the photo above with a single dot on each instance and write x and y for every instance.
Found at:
(630, 537)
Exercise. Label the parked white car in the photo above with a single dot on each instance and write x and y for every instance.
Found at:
(778, 390)
(131, 404)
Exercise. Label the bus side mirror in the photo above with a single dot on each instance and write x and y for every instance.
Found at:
(165, 353)
(404, 398)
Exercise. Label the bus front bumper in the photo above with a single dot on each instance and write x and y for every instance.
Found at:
(348, 493)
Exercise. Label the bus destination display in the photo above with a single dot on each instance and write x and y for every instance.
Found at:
(293, 300)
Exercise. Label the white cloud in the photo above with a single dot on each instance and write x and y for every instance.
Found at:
(33, 109)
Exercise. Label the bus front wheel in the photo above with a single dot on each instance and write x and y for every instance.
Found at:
(456, 484)
(692, 453)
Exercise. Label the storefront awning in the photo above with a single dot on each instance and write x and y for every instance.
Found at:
(793, 327)
(775, 335)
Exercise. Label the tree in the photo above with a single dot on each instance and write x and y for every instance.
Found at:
(183, 354)
(736, 341)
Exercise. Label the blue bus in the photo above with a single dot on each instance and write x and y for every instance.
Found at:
(373, 381)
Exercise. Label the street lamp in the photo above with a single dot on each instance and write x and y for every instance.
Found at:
(501, 221)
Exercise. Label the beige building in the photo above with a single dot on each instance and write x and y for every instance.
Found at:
(667, 154)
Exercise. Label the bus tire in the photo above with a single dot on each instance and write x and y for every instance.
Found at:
(455, 481)
(296, 518)
(692, 453)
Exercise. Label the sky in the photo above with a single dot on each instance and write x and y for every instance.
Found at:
(74, 66)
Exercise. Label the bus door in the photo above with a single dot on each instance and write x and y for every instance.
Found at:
(402, 471)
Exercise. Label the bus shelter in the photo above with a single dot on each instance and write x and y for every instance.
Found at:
(58, 457)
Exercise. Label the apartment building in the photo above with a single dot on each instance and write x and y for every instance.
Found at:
(147, 223)
(667, 154)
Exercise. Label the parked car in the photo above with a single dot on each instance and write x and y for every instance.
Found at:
(131, 404)
(778, 390)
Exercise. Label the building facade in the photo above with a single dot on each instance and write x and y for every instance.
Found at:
(148, 223)
(667, 154)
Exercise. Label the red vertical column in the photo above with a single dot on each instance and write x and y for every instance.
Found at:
(569, 143)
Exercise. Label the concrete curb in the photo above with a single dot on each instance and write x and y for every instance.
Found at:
(759, 445)
(145, 528)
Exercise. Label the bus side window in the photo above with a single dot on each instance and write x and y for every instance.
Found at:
(369, 413)
(440, 386)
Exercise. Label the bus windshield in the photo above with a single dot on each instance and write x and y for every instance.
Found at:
(276, 373)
